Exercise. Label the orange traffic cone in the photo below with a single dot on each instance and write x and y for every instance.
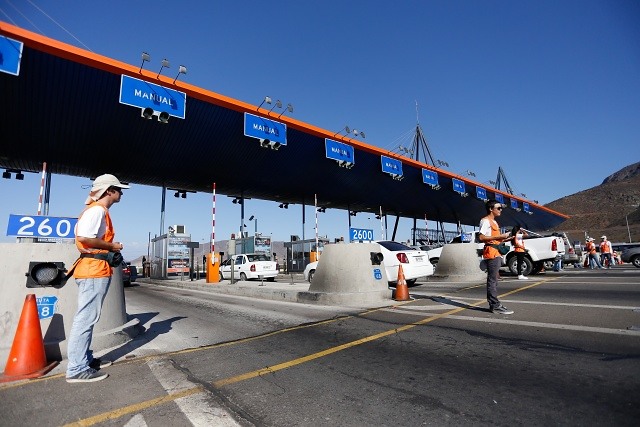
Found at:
(27, 358)
(402, 290)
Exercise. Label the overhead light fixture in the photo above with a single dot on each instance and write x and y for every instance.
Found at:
(181, 70)
(344, 164)
(6, 175)
(471, 173)
(177, 194)
(267, 99)
(163, 117)
(397, 176)
(147, 113)
(145, 58)
(284, 206)
(346, 129)
(353, 213)
(278, 104)
(322, 210)
(289, 109)
(266, 143)
(442, 163)
(237, 201)
(19, 176)
(165, 64)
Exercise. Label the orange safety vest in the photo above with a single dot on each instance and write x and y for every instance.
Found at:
(489, 252)
(591, 248)
(518, 242)
(605, 247)
(86, 268)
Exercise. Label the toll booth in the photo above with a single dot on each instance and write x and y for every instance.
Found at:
(302, 252)
(170, 255)
(257, 244)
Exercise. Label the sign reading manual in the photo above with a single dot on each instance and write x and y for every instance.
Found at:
(143, 94)
(261, 128)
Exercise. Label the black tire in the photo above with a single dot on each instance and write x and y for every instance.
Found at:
(636, 261)
(243, 277)
(311, 273)
(411, 282)
(513, 265)
(271, 279)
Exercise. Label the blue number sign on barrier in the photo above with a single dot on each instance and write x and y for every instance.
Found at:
(514, 204)
(357, 234)
(377, 274)
(41, 226)
(525, 207)
(46, 306)
(499, 198)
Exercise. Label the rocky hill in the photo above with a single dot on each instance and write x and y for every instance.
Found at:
(605, 209)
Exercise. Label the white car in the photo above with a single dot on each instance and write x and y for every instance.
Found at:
(249, 266)
(415, 263)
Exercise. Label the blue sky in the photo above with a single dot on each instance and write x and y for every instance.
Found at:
(548, 90)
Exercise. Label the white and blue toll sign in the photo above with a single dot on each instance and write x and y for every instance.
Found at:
(46, 306)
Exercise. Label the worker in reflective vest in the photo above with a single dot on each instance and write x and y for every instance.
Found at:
(518, 246)
(606, 252)
(594, 262)
(94, 239)
(490, 235)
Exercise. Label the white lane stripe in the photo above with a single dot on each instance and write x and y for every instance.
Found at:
(611, 331)
(197, 408)
(566, 304)
(136, 421)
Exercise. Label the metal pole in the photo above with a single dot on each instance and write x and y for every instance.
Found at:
(315, 201)
(44, 173)
(628, 230)
(162, 206)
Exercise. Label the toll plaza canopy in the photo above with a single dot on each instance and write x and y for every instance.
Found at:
(68, 107)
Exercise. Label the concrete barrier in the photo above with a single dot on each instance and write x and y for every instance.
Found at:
(460, 261)
(56, 306)
(345, 276)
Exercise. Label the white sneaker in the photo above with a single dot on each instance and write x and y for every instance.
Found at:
(521, 277)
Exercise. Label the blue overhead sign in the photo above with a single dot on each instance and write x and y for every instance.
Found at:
(10, 54)
(261, 128)
(142, 94)
(481, 193)
(429, 177)
(514, 203)
(339, 151)
(499, 198)
(458, 185)
(391, 166)
(525, 207)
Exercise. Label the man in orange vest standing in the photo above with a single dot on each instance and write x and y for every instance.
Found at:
(490, 235)
(92, 271)
(606, 253)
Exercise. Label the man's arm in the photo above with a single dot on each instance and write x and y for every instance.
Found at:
(96, 243)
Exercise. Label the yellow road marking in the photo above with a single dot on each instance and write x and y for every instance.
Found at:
(111, 415)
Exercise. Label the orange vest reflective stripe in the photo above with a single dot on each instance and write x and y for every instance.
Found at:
(518, 242)
(90, 267)
(591, 247)
(605, 247)
(489, 252)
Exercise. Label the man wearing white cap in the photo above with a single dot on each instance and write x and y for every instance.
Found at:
(92, 271)
(606, 252)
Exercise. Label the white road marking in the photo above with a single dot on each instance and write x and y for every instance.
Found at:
(611, 331)
(566, 304)
(198, 410)
(136, 421)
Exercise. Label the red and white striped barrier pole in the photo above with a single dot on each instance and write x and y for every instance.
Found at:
(213, 226)
(44, 172)
(315, 202)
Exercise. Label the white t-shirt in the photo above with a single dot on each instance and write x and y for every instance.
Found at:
(92, 223)
(485, 227)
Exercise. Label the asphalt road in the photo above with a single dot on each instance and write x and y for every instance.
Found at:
(568, 356)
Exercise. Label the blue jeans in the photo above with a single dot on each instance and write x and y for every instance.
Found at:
(91, 293)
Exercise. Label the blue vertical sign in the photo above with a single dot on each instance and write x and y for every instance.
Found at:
(458, 186)
(10, 55)
(339, 151)
(481, 193)
(142, 94)
(514, 203)
(525, 207)
(261, 128)
(499, 198)
(46, 306)
(430, 177)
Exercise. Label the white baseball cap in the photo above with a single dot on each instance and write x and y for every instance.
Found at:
(102, 184)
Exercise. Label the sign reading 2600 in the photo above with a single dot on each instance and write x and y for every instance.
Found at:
(356, 234)
(41, 226)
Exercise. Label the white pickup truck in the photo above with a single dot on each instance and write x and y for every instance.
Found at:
(249, 266)
(540, 249)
